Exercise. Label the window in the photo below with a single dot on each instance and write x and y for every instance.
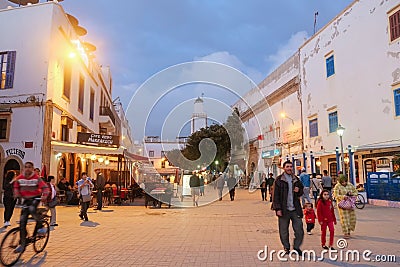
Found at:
(91, 112)
(394, 21)
(4, 127)
(397, 101)
(151, 153)
(81, 96)
(67, 80)
(64, 133)
(330, 66)
(313, 127)
(7, 67)
(162, 164)
(333, 122)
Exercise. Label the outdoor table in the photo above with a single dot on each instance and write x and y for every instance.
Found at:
(161, 195)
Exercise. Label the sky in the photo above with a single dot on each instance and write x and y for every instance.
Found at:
(139, 39)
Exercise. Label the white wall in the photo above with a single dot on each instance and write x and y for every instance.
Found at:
(366, 69)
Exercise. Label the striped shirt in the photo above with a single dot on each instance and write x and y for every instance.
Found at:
(30, 187)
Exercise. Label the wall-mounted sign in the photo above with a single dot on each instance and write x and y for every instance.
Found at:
(98, 139)
(270, 153)
(28, 144)
(16, 152)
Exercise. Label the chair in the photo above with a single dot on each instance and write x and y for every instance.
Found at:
(61, 196)
(115, 197)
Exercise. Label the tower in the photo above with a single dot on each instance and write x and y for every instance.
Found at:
(199, 117)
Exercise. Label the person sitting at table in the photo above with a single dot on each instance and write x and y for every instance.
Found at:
(66, 187)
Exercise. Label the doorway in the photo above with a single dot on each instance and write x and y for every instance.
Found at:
(12, 164)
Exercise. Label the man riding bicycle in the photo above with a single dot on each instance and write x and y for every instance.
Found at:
(30, 187)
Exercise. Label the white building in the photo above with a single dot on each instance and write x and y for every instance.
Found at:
(350, 75)
(199, 117)
(347, 73)
(51, 90)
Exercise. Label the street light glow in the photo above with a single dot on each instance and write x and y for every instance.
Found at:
(340, 130)
(216, 162)
(283, 115)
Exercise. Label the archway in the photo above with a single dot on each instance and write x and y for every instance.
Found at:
(62, 169)
(12, 164)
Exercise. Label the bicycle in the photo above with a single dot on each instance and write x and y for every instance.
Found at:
(11, 240)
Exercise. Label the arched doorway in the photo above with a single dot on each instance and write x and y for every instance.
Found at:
(62, 170)
(12, 164)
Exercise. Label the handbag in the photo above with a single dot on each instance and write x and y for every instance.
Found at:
(347, 204)
(86, 198)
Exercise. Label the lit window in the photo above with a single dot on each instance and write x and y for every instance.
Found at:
(333, 122)
(313, 128)
(330, 66)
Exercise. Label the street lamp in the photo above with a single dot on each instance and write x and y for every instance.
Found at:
(216, 165)
(340, 131)
(284, 116)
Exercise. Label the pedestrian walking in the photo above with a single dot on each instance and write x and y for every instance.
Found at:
(220, 186)
(263, 187)
(327, 182)
(8, 197)
(316, 187)
(231, 185)
(270, 183)
(286, 202)
(201, 186)
(194, 184)
(326, 218)
(305, 180)
(52, 200)
(100, 183)
(342, 192)
(309, 216)
(85, 187)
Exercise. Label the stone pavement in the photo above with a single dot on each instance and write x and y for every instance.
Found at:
(223, 233)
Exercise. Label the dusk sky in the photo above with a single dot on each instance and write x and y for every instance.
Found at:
(141, 38)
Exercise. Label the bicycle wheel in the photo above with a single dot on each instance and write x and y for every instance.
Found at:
(41, 241)
(8, 245)
(360, 202)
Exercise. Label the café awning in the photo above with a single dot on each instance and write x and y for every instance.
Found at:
(63, 147)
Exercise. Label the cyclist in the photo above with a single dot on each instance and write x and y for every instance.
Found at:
(29, 186)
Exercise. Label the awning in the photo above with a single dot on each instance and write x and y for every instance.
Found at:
(83, 149)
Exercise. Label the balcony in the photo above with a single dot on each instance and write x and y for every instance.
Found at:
(107, 117)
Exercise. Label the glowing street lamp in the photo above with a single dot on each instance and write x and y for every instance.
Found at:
(285, 116)
(340, 131)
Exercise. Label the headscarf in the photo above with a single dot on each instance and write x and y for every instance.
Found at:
(342, 178)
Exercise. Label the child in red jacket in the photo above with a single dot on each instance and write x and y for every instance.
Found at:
(326, 218)
(309, 216)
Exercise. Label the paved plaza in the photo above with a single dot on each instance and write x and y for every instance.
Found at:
(224, 233)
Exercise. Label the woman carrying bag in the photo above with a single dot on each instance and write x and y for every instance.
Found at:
(85, 187)
(345, 194)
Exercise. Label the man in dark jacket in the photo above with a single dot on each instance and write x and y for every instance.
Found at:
(231, 185)
(100, 183)
(286, 202)
(194, 184)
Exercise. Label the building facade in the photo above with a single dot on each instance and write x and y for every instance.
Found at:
(348, 73)
(52, 89)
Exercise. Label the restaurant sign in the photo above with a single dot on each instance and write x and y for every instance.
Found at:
(16, 152)
(98, 139)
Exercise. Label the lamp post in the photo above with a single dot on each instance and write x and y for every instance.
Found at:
(216, 165)
(340, 131)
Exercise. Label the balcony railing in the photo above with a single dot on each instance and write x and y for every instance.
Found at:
(106, 111)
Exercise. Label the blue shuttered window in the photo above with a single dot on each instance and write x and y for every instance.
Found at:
(330, 66)
(313, 124)
(333, 122)
(7, 69)
(397, 101)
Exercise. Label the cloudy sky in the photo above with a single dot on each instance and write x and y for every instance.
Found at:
(139, 38)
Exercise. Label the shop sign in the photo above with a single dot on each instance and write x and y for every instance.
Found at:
(270, 153)
(16, 152)
(98, 139)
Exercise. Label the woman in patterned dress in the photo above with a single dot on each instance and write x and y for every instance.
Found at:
(343, 190)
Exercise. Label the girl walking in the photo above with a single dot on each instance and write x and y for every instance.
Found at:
(326, 218)
(309, 216)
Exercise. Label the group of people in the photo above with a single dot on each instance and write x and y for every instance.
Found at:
(288, 189)
(267, 185)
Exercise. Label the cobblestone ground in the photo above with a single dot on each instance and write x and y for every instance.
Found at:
(225, 233)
